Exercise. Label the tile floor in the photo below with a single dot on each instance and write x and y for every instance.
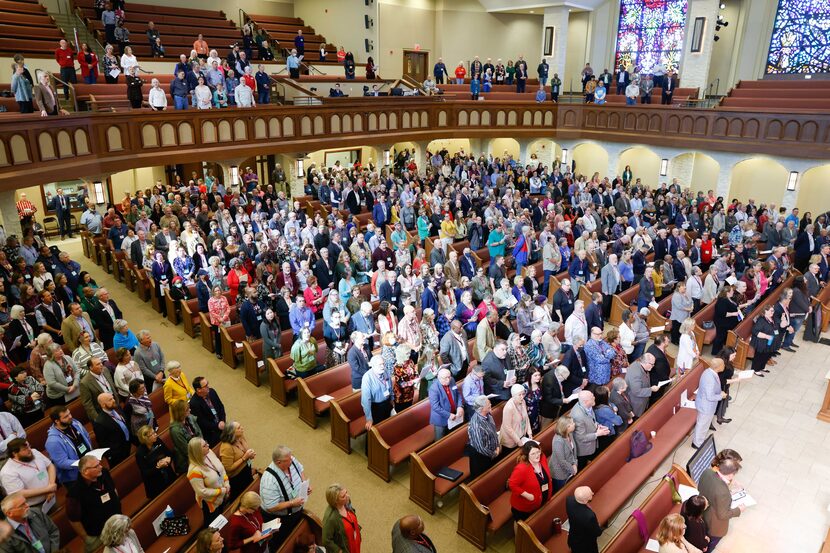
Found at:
(786, 450)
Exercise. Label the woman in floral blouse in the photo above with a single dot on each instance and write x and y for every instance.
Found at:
(518, 358)
(404, 378)
(219, 311)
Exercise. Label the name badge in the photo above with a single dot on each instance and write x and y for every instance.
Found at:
(38, 546)
(69, 379)
(74, 273)
(105, 498)
(154, 362)
(570, 302)
(82, 449)
(212, 410)
(544, 488)
(41, 475)
(386, 393)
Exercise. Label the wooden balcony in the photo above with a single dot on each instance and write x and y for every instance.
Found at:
(37, 150)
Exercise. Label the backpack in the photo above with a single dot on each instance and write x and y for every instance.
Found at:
(639, 445)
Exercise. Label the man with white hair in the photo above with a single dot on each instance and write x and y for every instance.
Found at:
(363, 321)
(586, 429)
(277, 487)
(33, 529)
(376, 392)
(483, 437)
(576, 325)
(104, 314)
(446, 405)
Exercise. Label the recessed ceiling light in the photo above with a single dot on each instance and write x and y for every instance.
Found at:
(531, 11)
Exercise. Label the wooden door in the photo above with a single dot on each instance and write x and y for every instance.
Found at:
(416, 64)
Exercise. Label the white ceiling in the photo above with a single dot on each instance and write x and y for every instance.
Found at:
(537, 6)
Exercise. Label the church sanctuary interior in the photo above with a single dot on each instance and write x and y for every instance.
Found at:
(419, 276)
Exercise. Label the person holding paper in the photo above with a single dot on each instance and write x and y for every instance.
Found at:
(682, 307)
(587, 430)
(706, 400)
(714, 486)
(639, 384)
(446, 408)
(764, 333)
(515, 425)
(688, 353)
(726, 318)
(34, 530)
(280, 487)
(245, 527)
(661, 371)
(376, 392)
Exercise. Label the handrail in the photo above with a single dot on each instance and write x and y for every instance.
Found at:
(71, 91)
(716, 84)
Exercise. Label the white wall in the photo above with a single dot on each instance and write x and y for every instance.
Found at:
(342, 23)
(577, 51)
(724, 52)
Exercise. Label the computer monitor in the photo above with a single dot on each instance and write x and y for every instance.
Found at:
(702, 459)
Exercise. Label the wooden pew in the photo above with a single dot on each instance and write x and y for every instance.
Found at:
(207, 337)
(484, 503)
(310, 524)
(173, 309)
(191, 321)
(612, 479)
(335, 382)
(252, 355)
(391, 441)
(129, 273)
(655, 507)
(347, 421)
(281, 385)
(704, 335)
(587, 290)
(739, 337)
(424, 484)
(180, 497)
(232, 339)
(620, 302)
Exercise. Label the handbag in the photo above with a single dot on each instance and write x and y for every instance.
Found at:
(639, 445)
(175, 526)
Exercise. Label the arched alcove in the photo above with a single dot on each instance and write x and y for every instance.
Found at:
(501, 147)
(813, 190)
(645, 165)
(452, 145)
(697, 171)
(760, 178)
(589, 158)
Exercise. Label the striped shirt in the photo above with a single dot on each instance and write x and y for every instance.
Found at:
(482, 434)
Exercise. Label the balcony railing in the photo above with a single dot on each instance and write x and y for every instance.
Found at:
(40, 150)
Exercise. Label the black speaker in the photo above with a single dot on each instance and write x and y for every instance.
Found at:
(368, 21)
(369, 45)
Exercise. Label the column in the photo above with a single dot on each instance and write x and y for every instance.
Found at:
(801, 165)
(682, 168)
(8, 212)
(556, 17)
(694, 67)
(524, 154)
(420, 153)
(614, 151)
(475, 146)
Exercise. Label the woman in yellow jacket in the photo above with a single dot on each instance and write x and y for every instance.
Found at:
(448, 228)
(176, 386)
(657, 278)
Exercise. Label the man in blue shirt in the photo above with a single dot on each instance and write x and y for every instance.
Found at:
(117, 234)
(293, 64)
(263, 85)
(300, 316)
(376, 392)
(439, 71)
(66, 442)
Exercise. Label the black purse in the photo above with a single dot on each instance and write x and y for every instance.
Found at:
(175, 526)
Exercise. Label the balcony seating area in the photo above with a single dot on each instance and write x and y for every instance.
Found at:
(777, 95)
(508, 93)
(178, 27)
(282, 31)
(27, 28)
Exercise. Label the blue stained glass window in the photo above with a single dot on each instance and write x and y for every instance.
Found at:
(650, 33)
(800, 42)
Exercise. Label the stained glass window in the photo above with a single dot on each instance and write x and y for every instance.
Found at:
(651, 33)
(800, 42)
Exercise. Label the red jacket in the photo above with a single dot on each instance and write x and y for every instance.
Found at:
(65, 58)
(523, 479)
(250, 81)
(86, 67)
(706, 248)
(460, 72)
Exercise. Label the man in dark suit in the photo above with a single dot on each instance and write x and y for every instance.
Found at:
(623, 79)
(380, 212)
(468, 264)
(669, 84)
(714, 486)
(208, 409)
(112, 430)
(661, 371)
(585, 529)
(593, 313)
(577, 365)
(324, 269)
(138, 249)
(805, 247)
(390, 290)
(495, 372)
(104, 314)
(60, 205)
